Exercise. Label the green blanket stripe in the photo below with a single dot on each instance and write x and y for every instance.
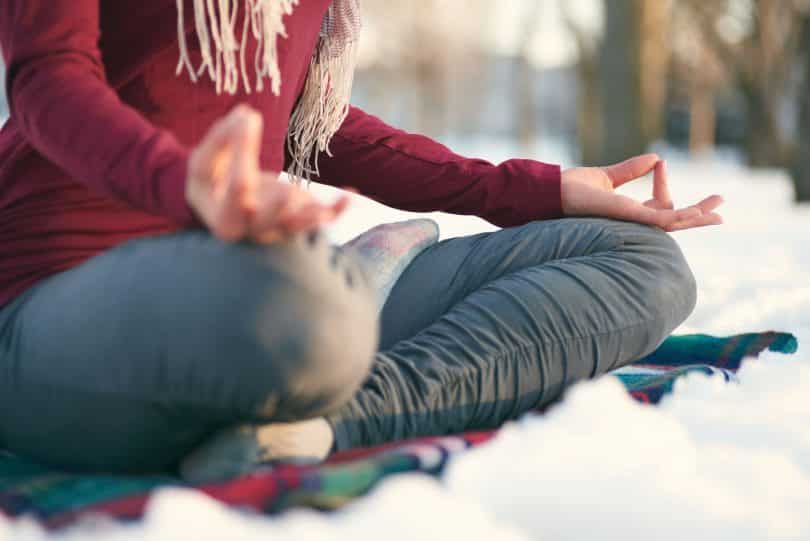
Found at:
(725, 352)
(58, 492)
(636, 382)
(342, 483)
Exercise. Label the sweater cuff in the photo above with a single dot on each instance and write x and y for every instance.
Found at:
(532, 191)
(173, 193)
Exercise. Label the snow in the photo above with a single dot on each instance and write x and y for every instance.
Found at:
(713, 461)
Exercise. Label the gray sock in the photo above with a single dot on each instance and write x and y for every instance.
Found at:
(386, 251)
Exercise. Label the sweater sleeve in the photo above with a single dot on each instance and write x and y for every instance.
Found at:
(415, 173)
(61, 103)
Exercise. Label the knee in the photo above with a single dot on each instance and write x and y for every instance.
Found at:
(336, 353)
(678, 287)
(326, 346)
(282, 333)
(667, 284)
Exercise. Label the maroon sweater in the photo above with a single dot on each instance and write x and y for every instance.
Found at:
(95, 151)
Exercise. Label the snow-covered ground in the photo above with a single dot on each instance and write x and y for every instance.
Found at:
(714, 461)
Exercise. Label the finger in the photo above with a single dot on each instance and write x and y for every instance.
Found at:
(332, 213)
(315, 214)
(660, 186)
(237, 199)
(269, 236)
(243, 171)
(274, 195)
(710, 203)
(703, 220)
(204, 157)
(658, 205)
(622, 173)
(686, 213)
(310, 217)
(626, 208)
(297, 199)
(612, 205)
(220, 133)
(340, 206)
(706, 206)
(296, 211)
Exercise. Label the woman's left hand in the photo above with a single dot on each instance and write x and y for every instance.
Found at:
(590, 191)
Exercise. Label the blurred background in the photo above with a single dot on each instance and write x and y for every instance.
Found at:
(595, 81)
(591, 82)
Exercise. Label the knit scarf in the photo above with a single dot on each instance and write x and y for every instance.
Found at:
(324, 102)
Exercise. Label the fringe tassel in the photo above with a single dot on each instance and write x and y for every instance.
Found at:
(323, 107)
(324, 103)
(223, 57)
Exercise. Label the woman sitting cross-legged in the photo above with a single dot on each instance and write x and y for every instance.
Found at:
(166, 302)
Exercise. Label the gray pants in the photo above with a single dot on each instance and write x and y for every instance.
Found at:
(129, 361)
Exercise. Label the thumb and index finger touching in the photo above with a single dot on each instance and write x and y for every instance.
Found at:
(237, 194)
(660, 210)
(640, 166)
(219, 138)
(225, 169)
(249, 201)
(631, 169)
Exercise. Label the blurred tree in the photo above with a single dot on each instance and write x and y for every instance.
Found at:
(699, 75)
(634, 64)
(703, 84)
(655, 54)
(801, 163)
(755, 42)
(525, 118)
(422, 47)
(622, 79)
(589, 98)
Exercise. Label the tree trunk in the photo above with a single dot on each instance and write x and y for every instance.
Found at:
(620, 81)
(655, 53)
(764, 87)
(589, 98)
(589, 104)
(764, 143)
(801, 163)
(525, 105)
(702, 118)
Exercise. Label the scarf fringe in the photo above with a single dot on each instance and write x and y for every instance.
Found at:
(324, 103)
(323, 106)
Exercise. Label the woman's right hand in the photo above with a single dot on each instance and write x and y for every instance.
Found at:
(235, 199)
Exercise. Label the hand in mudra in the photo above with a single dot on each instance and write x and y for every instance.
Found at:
(590, 191)
(235, 199)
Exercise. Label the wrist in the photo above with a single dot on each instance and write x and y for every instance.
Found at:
(177, 197)
(529, 191)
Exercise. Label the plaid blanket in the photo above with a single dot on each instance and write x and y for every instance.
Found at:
(57, 499)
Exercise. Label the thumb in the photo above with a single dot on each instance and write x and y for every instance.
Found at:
(624, 172)
(243, 170)
(206, 155)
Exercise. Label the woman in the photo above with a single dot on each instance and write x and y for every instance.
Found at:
(160, 285)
